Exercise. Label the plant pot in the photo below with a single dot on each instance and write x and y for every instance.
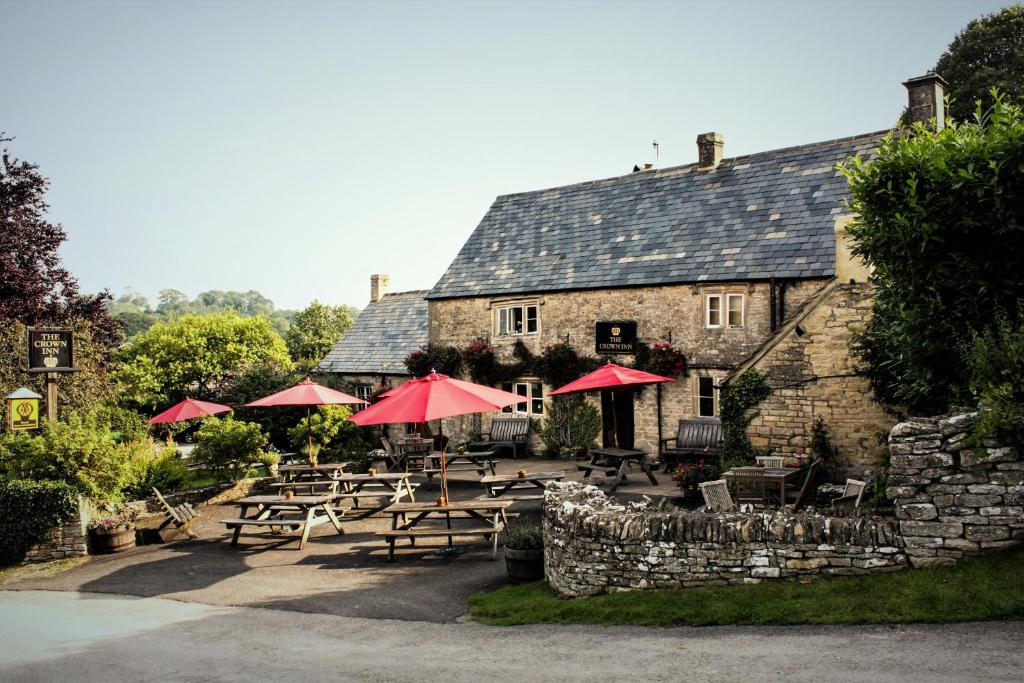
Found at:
(107, 542)
(524, 565)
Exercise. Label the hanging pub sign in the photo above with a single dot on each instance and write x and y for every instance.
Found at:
(616, 337)
(50, 350)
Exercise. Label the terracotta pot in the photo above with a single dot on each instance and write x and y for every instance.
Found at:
(524, 565)
(106, 542)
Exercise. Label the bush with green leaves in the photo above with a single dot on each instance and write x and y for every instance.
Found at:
(446, 360)
(29, 510)
(125, 424)
(995, 359)
(333, 433)
(162, 469)
(228, 447)
(79, 451)
(939, 220)
(571, 426)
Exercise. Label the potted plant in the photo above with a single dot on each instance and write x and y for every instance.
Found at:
(113, 532)
(524, 552)
(688, 474)
(270, 460)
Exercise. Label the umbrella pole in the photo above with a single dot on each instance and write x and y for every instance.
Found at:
(444, 467)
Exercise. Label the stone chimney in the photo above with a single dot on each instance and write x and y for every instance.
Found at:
(379, 286)
(925, 100)
(709, 150)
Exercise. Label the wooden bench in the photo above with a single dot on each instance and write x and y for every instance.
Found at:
(695, 438)
(180, 516)
(487, 532)
(511, 432)
(292, 524)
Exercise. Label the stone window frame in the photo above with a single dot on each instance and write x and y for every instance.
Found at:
(724, 300)
(508, 305)
(532, 399)
(697, 395)
(729, 296)
(707, 311)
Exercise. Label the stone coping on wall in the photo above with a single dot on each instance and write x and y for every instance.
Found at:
(593, 544)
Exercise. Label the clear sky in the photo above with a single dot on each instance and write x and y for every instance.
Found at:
(296, 148)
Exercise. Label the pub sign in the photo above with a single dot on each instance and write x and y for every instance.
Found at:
(22, 409)
(50, 350)
(616, 337)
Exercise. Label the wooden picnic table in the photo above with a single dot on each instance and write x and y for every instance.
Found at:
(321, 470)
(297, 512)
(488, 516)
(479, 462)
(498, 485)
(389, 486)
(616, 461)
(779, 476)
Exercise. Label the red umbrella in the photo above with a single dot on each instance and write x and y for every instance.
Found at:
(306, 393)
(432, 398)
(608, 377)
(188, 409)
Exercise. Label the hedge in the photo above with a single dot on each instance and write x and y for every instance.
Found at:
(29, 509)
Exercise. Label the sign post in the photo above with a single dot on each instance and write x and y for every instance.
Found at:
(51, 350)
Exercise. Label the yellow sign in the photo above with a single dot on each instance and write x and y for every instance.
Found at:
(23, 413)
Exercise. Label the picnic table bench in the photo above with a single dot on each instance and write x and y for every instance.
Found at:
(389, 487)
(488, 517)
(271, 511)
(323, 470)
(471, 461)
(500, 485)
(616, 461)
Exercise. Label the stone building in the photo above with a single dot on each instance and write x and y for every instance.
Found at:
(371, 354)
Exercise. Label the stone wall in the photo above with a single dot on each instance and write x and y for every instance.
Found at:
(67, 539)
(673, 312)
(953, 499)
(594, 545)
(813, 374)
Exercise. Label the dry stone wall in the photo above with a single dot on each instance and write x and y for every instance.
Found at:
(952, 498)
(594, 545)
(67, 539)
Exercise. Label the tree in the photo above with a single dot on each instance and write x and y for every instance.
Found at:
(315, 330)
(197, 356)
(940, 219)
(35, 288)
(988, 53)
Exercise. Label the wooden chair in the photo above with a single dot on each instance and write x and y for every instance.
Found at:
(695, 438)
(852, 495)
(771, 461)
(716, 495)
(797, 497)
(393, 458)
(751, 487)
(181, 516)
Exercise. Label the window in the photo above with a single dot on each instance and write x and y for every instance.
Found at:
(533, 398)
(516, 320)
(735, 313)
(713, 310)
(363, 391)
(706, 396)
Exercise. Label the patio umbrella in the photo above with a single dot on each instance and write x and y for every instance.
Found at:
(612, 376)
(433, 397)
(306, 393)
(188, 409)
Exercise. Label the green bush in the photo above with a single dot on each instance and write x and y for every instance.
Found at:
(938, 218)
(125, 425)
(571, 426)
(162, 469)
(228, 447)
(77, 451)
(29, 509)
(445, 359)
(995, 359)
(736, 401)
(525, 536)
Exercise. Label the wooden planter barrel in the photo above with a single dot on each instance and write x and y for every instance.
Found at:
(106, 542)
(524, 565)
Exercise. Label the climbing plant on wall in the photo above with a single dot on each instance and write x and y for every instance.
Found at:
(736, 400)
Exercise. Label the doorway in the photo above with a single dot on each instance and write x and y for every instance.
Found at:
(617, 426)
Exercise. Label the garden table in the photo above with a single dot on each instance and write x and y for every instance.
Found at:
(323, 470)
(616, 461)
(389, 486)
(488, 517)
(271, 511)
(477, 461)
(779, 476)
(501, 484)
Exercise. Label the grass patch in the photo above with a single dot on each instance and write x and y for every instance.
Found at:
(22, 572)
(990, 587)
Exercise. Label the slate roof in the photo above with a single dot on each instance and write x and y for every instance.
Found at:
(751, 218)
(382, 336)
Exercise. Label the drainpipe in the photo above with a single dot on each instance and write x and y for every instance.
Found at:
(771, 303)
